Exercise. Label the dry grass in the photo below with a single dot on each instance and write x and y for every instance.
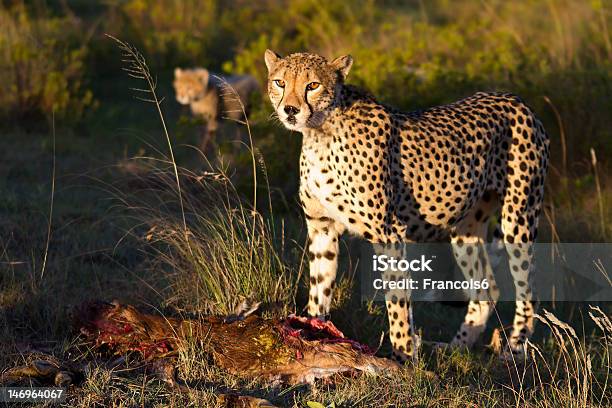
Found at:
(229, 252)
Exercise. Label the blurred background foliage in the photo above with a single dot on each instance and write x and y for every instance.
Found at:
(42, 65)
(556, 54)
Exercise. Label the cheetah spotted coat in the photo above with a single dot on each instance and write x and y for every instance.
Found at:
(429, 175)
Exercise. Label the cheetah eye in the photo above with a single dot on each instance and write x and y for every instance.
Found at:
(312, 86)
(280, 83)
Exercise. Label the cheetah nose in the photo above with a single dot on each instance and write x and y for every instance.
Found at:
(291, 110)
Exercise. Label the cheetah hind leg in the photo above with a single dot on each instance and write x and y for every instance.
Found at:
(469, 248)
(521, 267)
(475, 264)
(520, 231)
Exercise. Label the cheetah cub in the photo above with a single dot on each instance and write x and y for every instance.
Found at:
(391, 177)
(208, 98)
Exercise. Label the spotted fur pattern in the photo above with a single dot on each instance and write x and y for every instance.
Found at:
(430, 175)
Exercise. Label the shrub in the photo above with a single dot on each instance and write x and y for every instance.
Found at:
(171, 32)
(41, 66)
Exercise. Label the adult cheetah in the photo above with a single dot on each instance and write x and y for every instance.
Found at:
(390, 177)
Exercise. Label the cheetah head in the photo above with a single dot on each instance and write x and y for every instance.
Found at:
(190, 84)
(303, 87)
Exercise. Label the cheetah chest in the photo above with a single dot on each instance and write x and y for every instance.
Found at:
(318, 181)
(332, 186)
(319, 185)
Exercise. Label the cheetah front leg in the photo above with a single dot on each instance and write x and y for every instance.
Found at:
(208, 133)
(323, 235)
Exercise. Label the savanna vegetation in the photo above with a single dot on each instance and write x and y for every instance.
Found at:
(102, 195)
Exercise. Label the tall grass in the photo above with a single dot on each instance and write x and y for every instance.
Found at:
(600, 200)
(217, 250)
(136, 67)
(229, 253)
(577, 373)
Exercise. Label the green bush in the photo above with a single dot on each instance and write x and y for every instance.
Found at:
(170, 32)
(41, 66)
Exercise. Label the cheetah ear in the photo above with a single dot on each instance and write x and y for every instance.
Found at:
(271, 59)
(342, 65)
(202, 73)
(178, 72)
